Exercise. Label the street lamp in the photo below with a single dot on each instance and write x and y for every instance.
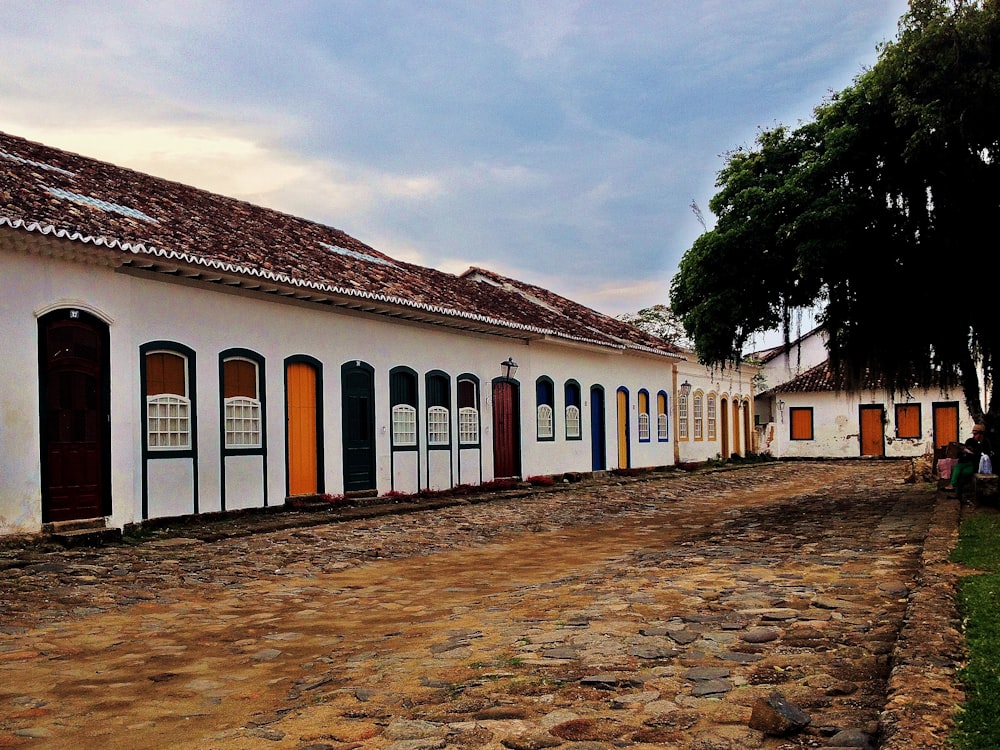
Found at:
(508, 368)
(685, 388)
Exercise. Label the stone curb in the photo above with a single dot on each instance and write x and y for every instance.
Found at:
(924, 692)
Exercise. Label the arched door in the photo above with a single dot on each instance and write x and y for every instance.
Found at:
(598, 426)
(506, 429)
(304, 427)
(359, 426)
(75, 416)
(624, 434)
(724, 427)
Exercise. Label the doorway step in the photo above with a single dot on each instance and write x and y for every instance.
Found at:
(84, 532)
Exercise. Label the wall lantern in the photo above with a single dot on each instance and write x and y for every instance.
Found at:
(685, 389)
(508, 368)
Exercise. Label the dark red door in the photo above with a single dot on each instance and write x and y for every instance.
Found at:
(506, 430)
(74, 416)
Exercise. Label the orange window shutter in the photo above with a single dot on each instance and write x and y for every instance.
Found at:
(908, 421)
(165, 374)
(801, 424)
(239, 378)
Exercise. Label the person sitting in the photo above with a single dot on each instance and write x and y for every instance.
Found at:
(968, 460)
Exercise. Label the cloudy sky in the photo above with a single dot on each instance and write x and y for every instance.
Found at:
(558, 141)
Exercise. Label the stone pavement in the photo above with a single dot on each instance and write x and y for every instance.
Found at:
(658, 611)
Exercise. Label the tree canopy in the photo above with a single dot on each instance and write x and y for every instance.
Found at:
(880, 212)
(660, 321)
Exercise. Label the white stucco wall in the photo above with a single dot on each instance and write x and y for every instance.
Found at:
(837, 424)
(141, 309)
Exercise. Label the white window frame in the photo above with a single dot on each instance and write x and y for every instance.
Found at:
(468, 426)
(572, 421)
(662, 431)
(699, 417)
(168, 421)
(643, 427)
(404, 426)
(712, 417)
(242, 422)
(682, 417)
(545, 422)
(438, 430)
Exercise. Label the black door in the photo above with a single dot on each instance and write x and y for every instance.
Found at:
(358, 381)
(75, 416)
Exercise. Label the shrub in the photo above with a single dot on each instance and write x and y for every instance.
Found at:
(540, 480)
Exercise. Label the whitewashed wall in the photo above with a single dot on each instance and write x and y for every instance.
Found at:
(209, 321)
(837, 425)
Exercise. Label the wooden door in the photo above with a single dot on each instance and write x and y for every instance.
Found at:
(506, 430)
(724, 428)
(624, 448)
(872, 430)
(737, 448)
(358, 402)
(945, 417)
(75, 416)
(598, 425)
(302, 407)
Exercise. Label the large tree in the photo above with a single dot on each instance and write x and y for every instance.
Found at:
(880, 212)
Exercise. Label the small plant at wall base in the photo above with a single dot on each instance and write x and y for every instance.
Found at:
(540, 480)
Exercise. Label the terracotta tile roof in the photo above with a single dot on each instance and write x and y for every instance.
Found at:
(823, 378)
(166, 226)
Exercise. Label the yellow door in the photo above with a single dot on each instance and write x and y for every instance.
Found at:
(302, 434)
(623, 432)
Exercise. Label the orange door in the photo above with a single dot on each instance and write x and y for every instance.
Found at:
(872, 430)
(945, 424)
(301, 403)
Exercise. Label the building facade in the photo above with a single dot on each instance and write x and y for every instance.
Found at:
(169, 351)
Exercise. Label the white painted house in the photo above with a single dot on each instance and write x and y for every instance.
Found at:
(168, 351)
(803, 411)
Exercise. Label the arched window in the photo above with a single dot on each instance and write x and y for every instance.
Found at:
(699, 416)
(662, 422)
(438, 410)
(712, 417)
(643, 416)
(573, 425)
(682, 417)
(403, 399)
(545, 405)
(168, 401)
(468, 411)
(241, 399)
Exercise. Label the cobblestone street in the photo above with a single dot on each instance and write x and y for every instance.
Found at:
(636, 612)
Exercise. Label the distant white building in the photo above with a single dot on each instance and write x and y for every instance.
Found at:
(803, 411)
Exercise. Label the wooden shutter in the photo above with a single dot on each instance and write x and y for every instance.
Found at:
(802, 423)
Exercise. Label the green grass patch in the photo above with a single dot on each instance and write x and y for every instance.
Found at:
(979, 604)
